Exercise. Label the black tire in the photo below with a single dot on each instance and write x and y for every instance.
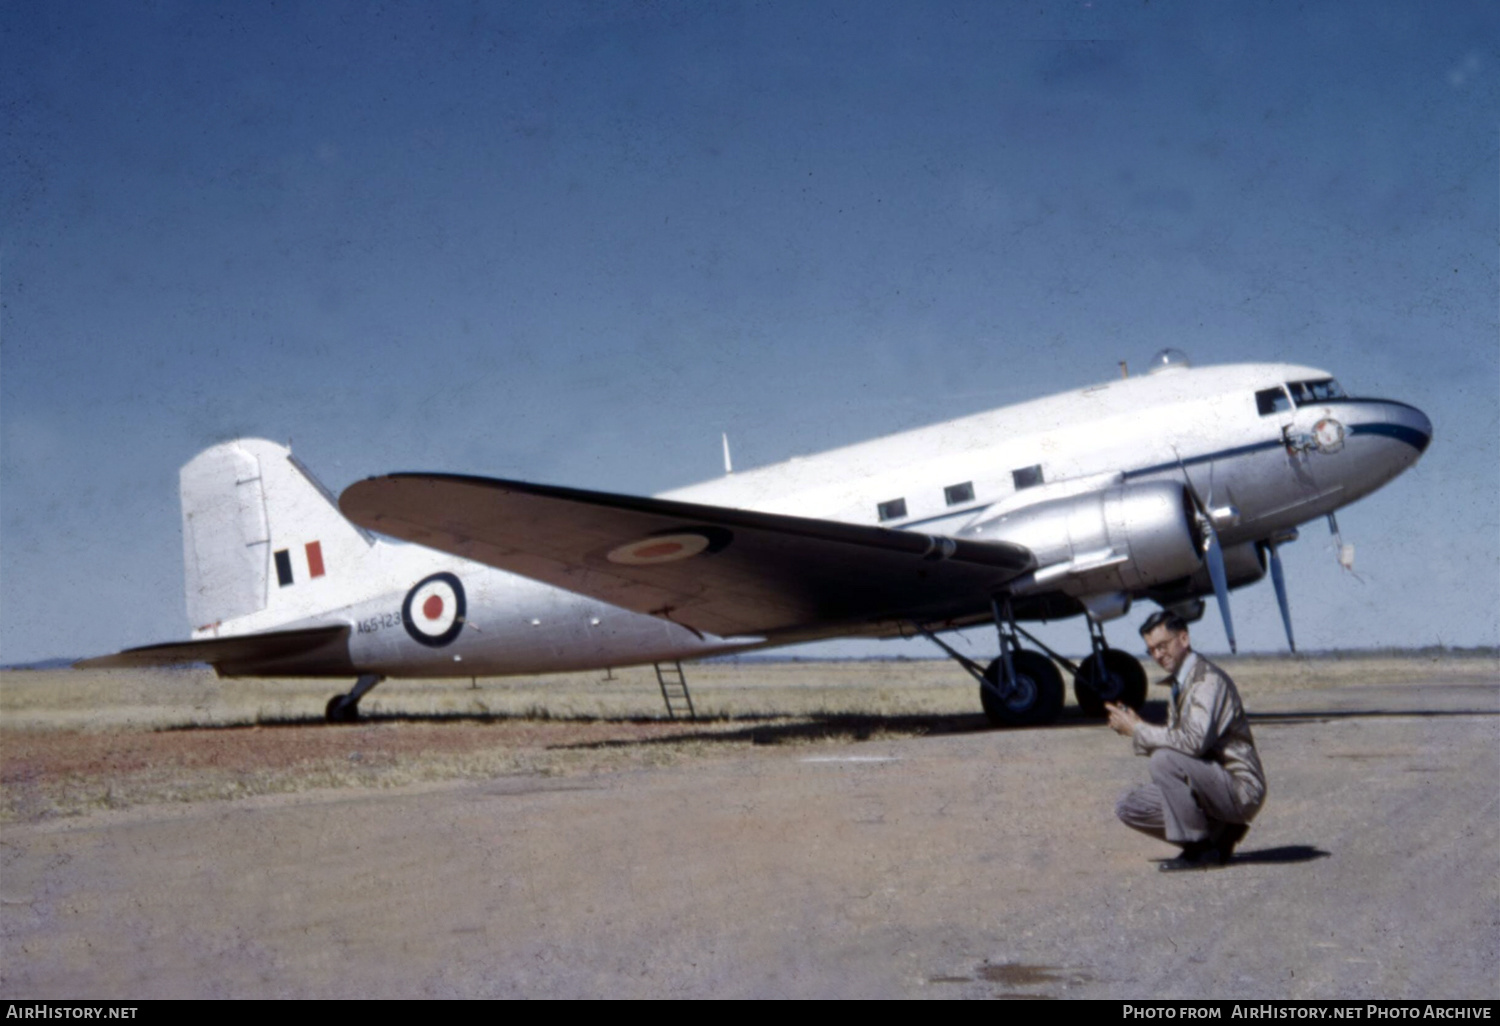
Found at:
(340, 710)
(1120, 679)
(1036, 699)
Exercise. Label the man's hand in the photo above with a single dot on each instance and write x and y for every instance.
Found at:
(1122, 718)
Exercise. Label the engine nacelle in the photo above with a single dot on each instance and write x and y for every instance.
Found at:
(1123, 538)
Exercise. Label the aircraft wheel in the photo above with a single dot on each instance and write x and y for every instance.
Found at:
(1036, 696)
(340, 710)
(1110, 676)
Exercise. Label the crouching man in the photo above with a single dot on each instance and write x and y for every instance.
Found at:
(1206, 781)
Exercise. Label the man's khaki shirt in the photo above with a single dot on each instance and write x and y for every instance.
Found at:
(1208, 722)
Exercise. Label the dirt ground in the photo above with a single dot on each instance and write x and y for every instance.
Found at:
(833, 830)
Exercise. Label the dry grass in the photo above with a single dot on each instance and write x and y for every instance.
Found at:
(74, 741)
(158, 699)
(144, 699)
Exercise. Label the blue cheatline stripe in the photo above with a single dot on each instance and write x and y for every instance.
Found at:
(1418, 440)
(1222, 454)
(1188, 461)
(1411, 436)
(944, 516)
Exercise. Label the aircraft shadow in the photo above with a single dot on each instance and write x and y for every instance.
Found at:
(367, 719)
(763, 728)
(770, 731)
(760, 728)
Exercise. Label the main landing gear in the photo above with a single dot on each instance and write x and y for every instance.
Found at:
(1108, 675)
(1019, 689)
(1030, 694)
(345, 708)
(1024, 689)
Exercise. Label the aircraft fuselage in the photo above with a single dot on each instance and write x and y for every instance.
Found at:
(1266, 447)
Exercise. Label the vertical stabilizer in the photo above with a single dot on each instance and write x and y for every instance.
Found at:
(224, 536)
(264, 544)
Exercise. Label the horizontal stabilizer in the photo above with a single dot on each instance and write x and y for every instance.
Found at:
(311, 651)
(715, 569)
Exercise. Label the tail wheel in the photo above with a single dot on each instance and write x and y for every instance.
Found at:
(1035, 697)
(340, 710)
(1109, 676)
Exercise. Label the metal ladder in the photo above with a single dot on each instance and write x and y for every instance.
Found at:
(674, 689)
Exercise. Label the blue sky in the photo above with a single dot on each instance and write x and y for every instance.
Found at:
(573, 242)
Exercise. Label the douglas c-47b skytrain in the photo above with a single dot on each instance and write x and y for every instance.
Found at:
(1169, 486)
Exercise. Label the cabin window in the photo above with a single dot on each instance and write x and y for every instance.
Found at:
(1027, 477)
(1272, 400)
(1305, 392)
(959, 493)
(893, 510)
(283, 568)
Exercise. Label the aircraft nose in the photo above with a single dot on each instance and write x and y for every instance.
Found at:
(1406, 430)
(1410, 425)
(1385, 438)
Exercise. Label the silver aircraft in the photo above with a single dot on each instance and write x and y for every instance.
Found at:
(1169, 486)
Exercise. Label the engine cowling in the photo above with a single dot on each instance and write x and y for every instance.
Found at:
(1128, 537)
(1244, 564)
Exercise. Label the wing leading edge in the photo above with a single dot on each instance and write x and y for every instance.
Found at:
(714, 569)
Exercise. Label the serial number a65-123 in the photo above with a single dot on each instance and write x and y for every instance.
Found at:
(379, 623)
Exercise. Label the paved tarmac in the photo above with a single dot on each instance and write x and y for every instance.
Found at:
(979, 865)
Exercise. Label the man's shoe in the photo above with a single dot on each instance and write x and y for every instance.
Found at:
(1194, 856)
(1229, 838)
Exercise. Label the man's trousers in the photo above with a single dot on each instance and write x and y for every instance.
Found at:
(1187, 800)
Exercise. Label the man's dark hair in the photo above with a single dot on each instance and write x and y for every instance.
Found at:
(1164, 618)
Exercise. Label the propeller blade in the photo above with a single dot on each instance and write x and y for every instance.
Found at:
(1213, 552)
(1278, 578)
(1214, 555)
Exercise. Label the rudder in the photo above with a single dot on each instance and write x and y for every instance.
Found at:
(263, 541)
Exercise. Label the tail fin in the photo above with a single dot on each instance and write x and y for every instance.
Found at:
(263, 542)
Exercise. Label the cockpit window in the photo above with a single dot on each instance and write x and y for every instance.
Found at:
(1305, 392)
(1272, 400)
